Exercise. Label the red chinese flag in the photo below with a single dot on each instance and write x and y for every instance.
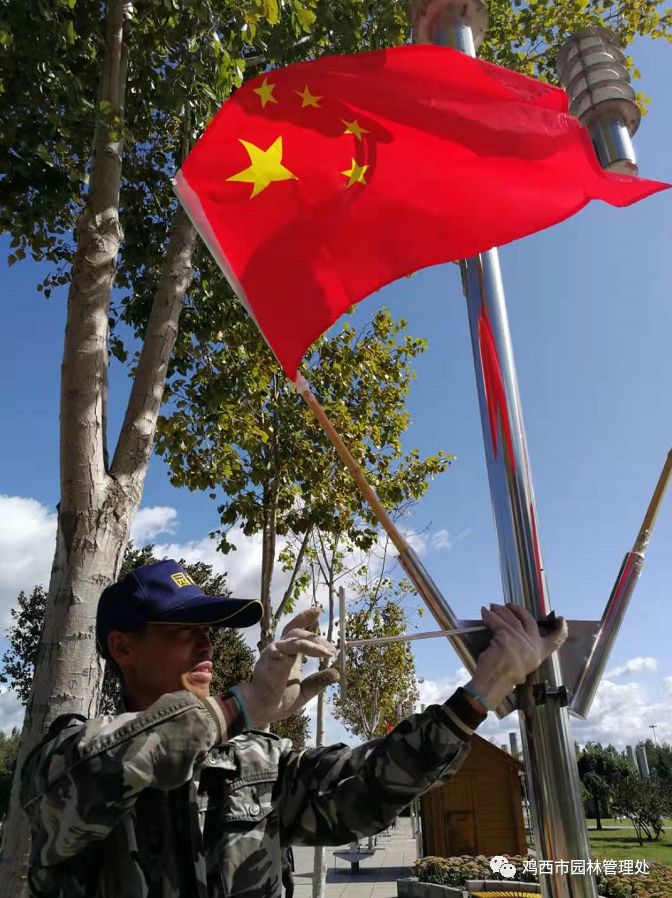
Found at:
(316, 184)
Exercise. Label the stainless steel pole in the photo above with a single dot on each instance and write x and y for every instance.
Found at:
(591, 66)
(595, 663)
(552, 776)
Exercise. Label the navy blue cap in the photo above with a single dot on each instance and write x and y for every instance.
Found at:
(165, 593)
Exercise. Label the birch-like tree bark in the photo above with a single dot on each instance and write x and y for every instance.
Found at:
(327, 566)
(97, 500)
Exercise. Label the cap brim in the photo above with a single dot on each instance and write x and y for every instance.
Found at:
(217, 611)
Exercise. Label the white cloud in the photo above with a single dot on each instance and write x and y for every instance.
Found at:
(27, 542)
(425, 542)
(149, 522)
(433, 692)
(417, 541)
(438, 691)
(242, 566)
(621, 713)
(441, 540)
(634, 665)
(617, 710)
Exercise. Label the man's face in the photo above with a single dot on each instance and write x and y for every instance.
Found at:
(163, 658)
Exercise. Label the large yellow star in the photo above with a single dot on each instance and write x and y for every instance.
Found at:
(307, 99)
(356, 174)
(265, 92)
(355, 128)
(266, 167)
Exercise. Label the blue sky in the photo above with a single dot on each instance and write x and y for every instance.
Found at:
(591, 319)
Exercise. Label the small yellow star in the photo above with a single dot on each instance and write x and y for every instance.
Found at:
(307, 99)
(265, 92)
(356, 174)
(355, 128)
(266, 167)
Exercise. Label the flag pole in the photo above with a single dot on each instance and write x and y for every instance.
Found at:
(550, 763)
(414, 568)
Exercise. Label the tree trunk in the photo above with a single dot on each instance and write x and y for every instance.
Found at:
(98, 502)
(320, 854)
(268, 544)
(90, 545)
(68, 673)
(598, 818)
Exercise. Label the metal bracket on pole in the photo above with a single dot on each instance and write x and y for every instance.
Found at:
(573, 652)
(542, 692)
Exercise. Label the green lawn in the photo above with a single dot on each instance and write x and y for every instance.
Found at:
(590, 822)
(621, 844)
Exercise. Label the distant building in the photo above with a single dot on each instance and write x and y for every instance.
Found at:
(480, 810)
(630, 755)
(642, 761)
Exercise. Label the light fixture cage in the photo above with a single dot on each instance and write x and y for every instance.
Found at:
(592, 69)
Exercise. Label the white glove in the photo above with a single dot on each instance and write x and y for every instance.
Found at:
(276, 689)
(516, 649)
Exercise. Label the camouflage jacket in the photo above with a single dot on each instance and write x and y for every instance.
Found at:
(147, 805)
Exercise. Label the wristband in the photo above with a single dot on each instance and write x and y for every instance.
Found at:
(235, 692)
(473, 691)
(228, 714)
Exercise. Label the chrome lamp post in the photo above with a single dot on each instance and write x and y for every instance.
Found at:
(592, 68)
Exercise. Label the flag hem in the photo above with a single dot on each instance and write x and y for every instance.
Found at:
(192, 206)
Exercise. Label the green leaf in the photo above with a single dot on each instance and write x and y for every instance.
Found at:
(272, 11)
(306, 17)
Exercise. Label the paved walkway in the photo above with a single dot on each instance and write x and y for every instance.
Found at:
(377, 877)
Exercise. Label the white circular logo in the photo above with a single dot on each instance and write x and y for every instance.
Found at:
(496, 862)
(508, 871)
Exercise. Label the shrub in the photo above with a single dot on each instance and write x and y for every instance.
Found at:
(455, 871)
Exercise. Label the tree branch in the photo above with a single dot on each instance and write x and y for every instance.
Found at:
(83, 462)
(137, 433)
(295, 573)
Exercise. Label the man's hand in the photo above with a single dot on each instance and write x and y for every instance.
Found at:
(516, 649)
(276, 689)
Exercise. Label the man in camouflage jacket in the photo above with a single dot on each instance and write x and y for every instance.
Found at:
(185, 796)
